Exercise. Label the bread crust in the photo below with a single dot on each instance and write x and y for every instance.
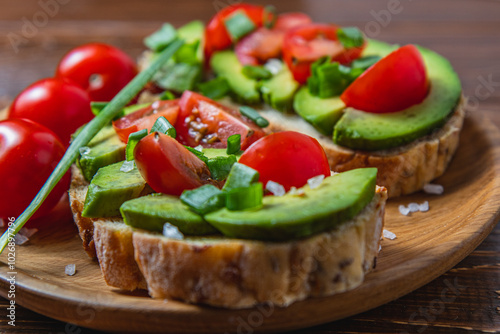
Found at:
(402, 170)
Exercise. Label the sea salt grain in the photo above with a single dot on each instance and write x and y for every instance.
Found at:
(389, 235)
(424, 207)
(274, 65)
(414, 207)
(20, 239)
(70, 269)
(28, 232)
(199, 148)
(404, 210)
(315, 182)
(275, 188)
(84, 150)
(172, 232)
(296, 192)
(434, 189)
(127, 166)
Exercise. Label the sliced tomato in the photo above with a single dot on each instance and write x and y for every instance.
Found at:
(216, 35)
(394, 83)
(167, 166)
(205, 122)
(288, 158)
(264, 44)
(305, 44)
(146, 117)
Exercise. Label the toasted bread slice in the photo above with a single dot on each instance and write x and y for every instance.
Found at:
(226, 272)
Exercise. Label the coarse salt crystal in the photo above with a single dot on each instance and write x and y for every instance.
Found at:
(414, 207)
(424, 207)
(275, 188)
(84, 150)
(172, 232)
(70, 269)
(434, 189)
(404, 210)
(20, 239)
(127, 166)
(296, 192)
(199, 148)
(274, 65)
(315, 182)
(388, 235)
(28, 232)
(332, 173)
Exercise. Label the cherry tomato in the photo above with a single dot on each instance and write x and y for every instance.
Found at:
(305, 44)
(394, 83)
(56, 103)
(101, 69)
(203, 121)
(264, 44)
(146, 117)
(167, 166)
(216, 36)
(288, 158)
(29, 153)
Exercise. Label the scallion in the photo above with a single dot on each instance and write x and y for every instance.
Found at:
(350, 37)
(133, 139)
(215, 89)
(204, 199)
(220, 166)
(97, 107)
(240, 176)
(256, 72)
(254, 116)
(167, 95)
(161, 38)
(163, 125)
(245, 198)
(233, 144)
(238, 24)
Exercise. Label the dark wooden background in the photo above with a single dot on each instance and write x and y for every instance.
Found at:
(465, 31)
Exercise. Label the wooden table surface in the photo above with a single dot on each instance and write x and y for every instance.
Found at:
(35, 35)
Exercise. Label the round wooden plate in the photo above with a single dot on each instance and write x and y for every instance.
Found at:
(427, 245)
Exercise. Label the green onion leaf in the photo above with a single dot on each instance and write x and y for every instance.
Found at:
(133, 139)
(350, 37)
(220, 166)
(245, 198)
(84, 137)
(238, 24)
(240, 176)
(167, 95)
(199, 154)
(328, 79)
(97, 107)
(270, 16)
(163, 125)
(254, 116)
(161, 38)
(214, 89)
(233, 144)
(204, 199)
(256, 72)
(178, 77)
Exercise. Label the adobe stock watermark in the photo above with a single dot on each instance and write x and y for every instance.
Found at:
(12, 273)
(383, 17)
(221, 4)
(485, 87)
(32, 25)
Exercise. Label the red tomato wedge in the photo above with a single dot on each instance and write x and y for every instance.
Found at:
(305, 44)
(288, 158)
(167, 166)
(264, 44)
(205, 122)
(394, 83)
(146, 117)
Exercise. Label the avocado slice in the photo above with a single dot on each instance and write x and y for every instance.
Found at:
(192, 34)
(153, 211)
(321, 113)
(103, 150)
(226, 64)
(338, 198)
(109, 188)
(279, 90)
(369, 131)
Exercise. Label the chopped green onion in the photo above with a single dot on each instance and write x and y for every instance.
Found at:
(270, 16)
(233, 144)
(254, 116)
(240, 176)
(163, 125)
(84, 137)
(220, 166)
(350, 37)
(199, 154)
(328, 79)
(167, 95)
(238, 24)
(188, 54)
(365, 62)
(97, 107)
(204, 199)
(161, 38)
(256, 72)
(245, 198)
(215, 89)
(133, 139)
(178, 77)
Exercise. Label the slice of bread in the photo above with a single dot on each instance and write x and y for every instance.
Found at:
(232, 273)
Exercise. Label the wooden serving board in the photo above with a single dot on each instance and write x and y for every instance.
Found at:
(427, 245)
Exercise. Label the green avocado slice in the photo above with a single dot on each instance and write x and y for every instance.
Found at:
(361, 130)
(338, 198)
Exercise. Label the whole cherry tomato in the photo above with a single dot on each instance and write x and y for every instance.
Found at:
(394, 83)
(56, 103)
(288, 158)
(167, 166)
(29, 153)
(101, 69)
(305, 44)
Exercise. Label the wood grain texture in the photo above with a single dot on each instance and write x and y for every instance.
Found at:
(465, 31)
